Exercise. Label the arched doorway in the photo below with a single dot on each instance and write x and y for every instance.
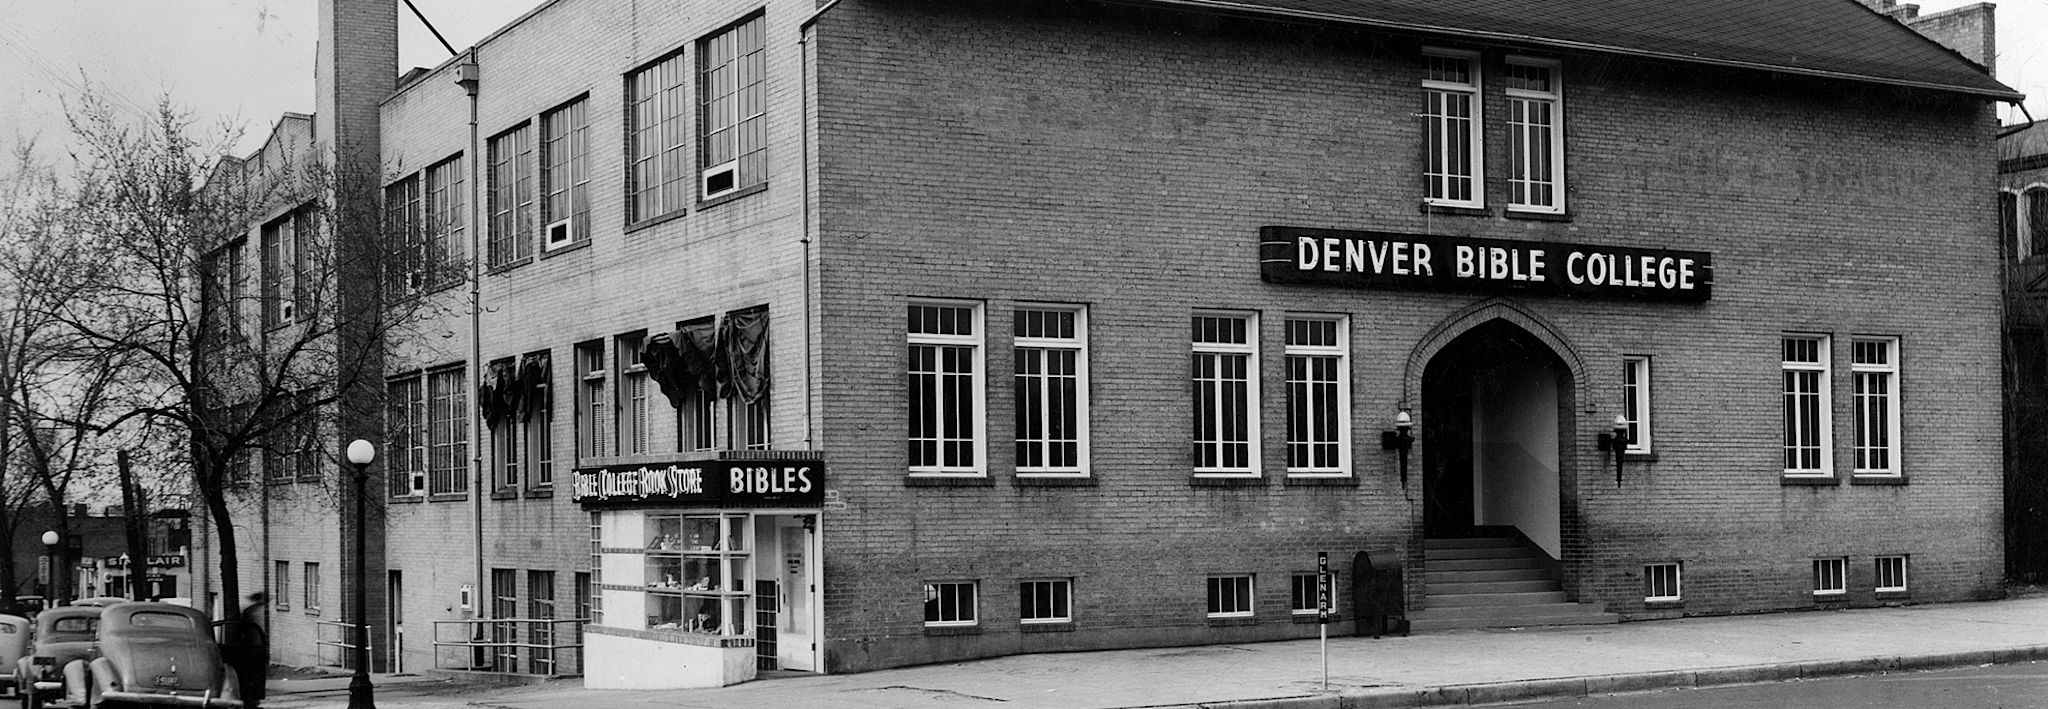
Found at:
(1496, 401)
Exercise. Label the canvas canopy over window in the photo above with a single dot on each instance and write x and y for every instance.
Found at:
(508, 390)
(728, 359)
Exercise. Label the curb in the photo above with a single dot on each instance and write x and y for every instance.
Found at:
(1596, 685)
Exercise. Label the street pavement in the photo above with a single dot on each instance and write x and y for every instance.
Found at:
(1431, 669)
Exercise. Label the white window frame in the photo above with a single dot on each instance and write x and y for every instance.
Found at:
(1887, 371)
(1341, 351)
(1475, 162)
(1518, 132)
(934, 590)
(1830, 577)
(1651, 582)
(1061, 587)
(977, 384)
(1301, 593)
(311, 570)
(1899, 562)
(1078, 345)
(1248, 605)
(1825, 407)
(1635, 395)
(1249, 350)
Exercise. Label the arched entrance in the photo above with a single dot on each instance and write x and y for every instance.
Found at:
(1496, 401)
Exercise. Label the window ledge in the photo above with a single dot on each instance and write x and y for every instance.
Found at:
(1321, 481)
(540, 493)
(448, 497)
(505, 494)
(1450, 211)
(1663, 605)
(742, 193)
(1809, 480)
(508, 265)
(1513, 213)
(1231, 622)
(1894, 595)
(948, 481)
(1877, 480)
(1065, 626)
(1023, 480)
(652, 221)
(404, 499)
(944, 630)
(1227, 481)
(577, 245)
(1832, 599)
(312, 611)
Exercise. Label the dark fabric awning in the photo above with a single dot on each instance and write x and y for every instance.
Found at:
(534, 372)
(743, 353)
(497, 391)
(718, 358)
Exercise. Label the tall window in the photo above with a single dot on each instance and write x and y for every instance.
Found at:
(1318, 397)
(565, 172)
(405, 416)
(1450, 116)
(505, 447)
(1226, 392)
(1805, 368)
(1663, 582)
(950, 603)
(1830, 577)
(446, 240)
(595, 595)
(1874, 369)
(749, 423)
(1535, 145)
(306, 434)
(1052, 389)
(1230, 596)
(2037, 221)
(632, 420)
(404, 262)
(658, 139)
(505, 604)
(1045, 601)
(732, 67)
(945, 388)
(539, 420)
(695, 430)
(510, 196)
(302, 263)
(281, 597)
(278, 264)
(540, 605)
(591, 427)
(448, 431)
(312, 569)
(1635, 397)
(2009, 223)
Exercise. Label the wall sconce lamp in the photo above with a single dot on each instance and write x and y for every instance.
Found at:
(1400, 440)
(1617, 443)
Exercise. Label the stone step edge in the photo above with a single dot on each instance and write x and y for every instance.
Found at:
(1596, 685)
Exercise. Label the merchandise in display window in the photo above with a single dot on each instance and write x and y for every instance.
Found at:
(696, 571)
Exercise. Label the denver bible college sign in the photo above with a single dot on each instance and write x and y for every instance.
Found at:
(1375, 259)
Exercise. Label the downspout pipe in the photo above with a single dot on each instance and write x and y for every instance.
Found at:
(467, 75)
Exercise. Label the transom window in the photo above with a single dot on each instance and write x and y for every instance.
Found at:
(1318, 396)
(1045, 601)
(1663, 582)
(1051, 389)
(1805, 371)
(950, 603)
(1450, 119)
(1830, 577)
(944, 387)
(1226, 391)
(1230, 596)
(1535, 151)
(1874, 369)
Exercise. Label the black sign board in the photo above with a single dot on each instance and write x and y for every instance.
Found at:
(704, 483)
(1387, 260)
(1322, 587)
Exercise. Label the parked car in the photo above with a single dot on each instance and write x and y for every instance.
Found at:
(13, 645)
(64, 636)
(101, 601)
(157, 654)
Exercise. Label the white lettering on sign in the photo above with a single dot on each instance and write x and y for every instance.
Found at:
(1494, 263)
(762, 481)
(1386, 257)
(1598, 269)
(643, 482)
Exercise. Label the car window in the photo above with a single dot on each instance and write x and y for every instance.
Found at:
(160, 620)
(73, 625)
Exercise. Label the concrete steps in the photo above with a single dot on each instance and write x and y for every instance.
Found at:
(1494, 582)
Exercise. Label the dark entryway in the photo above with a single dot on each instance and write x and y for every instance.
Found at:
(1494, 402)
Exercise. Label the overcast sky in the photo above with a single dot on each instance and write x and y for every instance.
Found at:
(239, 64)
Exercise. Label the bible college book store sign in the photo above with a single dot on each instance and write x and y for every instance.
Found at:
(1374, 259)
(711, 483)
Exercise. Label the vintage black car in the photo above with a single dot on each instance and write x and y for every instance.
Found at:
(64, 636)
(156, 654)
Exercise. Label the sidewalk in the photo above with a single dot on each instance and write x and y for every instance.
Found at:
(1447, 668)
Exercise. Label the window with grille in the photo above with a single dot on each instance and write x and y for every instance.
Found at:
(1635, 397)
(1874, 371)
(448, 424)
(593, 594)
(443, 231)
(1830, 577)
(1450, 122)
(732, 70)
(405, 261)
(1663, 582)
(749, 419)
(1535, 102)
(1805, 371)
(405, 416)
(1318, 396)
(540, 606)
(1051, 405)
(1226, 388)
(591, 423)
(1045, 601)
(944, 383)
(1891, 574)
(505, 608)
(658, 139)
(509, 196)
(1230, 596)
(950, 603)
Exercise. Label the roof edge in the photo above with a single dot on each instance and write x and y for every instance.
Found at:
(1239, 8)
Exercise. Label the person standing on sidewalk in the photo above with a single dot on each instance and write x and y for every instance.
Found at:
(245, 646)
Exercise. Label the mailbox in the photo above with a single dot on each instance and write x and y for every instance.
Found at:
(1376, 598)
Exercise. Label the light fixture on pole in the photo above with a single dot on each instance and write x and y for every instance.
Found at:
(1617, 443)
(360, 455)
(1400, 440)
(49, 568)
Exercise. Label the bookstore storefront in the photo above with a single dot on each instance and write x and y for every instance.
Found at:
(706, 570)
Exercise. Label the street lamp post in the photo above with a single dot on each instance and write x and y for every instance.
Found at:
(360, 453)
(50, 568)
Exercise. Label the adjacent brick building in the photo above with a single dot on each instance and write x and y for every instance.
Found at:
(849, 335)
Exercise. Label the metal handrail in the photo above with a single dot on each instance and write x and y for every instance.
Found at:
(496, 645)
(338, 643)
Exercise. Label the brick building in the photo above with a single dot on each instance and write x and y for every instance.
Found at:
(752, 277)
(2023, 228)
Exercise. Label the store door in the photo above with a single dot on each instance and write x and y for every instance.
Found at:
(795, 636)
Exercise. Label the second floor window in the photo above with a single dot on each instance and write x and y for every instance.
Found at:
(1450, 124)
(405, 418)
(632, 423)
(443, 232)
(658, 139)
(510, 196)
(732, 70)
(591, 422)
(565, 174)
(1535, 150)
